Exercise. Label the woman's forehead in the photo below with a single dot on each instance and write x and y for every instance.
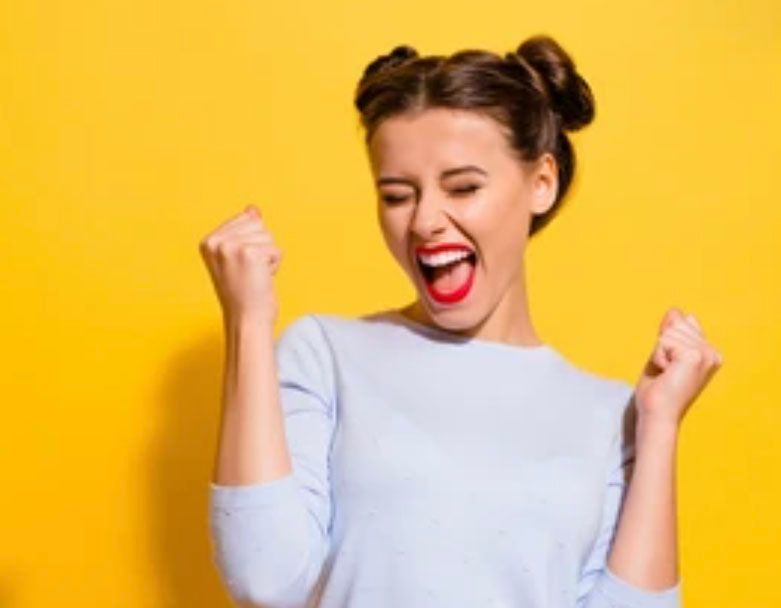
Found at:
(436, 139)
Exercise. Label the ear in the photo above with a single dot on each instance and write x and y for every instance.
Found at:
(544, 183)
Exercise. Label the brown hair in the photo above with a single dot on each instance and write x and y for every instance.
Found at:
(535, 93)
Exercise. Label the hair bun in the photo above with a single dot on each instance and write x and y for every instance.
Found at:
(568, 93)
(399, 55)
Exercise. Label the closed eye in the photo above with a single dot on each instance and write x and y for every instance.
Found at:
(466, 190)
(391, 199)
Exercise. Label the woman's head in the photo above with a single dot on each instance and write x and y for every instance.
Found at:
(506, 117)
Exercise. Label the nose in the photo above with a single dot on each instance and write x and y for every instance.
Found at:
(429, 218)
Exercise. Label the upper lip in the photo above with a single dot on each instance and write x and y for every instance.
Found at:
(429, 249)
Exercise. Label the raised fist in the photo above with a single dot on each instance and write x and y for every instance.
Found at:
(242, 258)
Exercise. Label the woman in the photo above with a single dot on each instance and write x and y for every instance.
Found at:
(442, 454)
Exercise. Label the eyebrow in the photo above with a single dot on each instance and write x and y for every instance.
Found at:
(447, 173)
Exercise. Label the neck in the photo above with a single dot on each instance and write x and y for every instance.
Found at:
(508, 322)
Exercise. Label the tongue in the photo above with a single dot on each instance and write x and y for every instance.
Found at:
(452, 276)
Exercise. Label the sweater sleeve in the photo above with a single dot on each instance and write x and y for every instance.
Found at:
(270, 539)
(599, 586)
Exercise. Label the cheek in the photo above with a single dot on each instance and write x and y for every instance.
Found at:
(500, 235)
(507, 249)
(393, 228)
(490, 212)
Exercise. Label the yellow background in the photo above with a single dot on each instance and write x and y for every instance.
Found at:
(128, 130)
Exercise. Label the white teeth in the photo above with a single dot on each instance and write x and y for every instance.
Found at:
(440, 259)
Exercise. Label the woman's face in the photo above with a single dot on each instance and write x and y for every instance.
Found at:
(448, 177)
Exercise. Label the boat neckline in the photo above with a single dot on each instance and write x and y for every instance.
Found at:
(450, 337)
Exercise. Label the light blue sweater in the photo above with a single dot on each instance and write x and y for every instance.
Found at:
(431, 470)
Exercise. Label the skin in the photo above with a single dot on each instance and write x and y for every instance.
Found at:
(408, 155)
(413, 151)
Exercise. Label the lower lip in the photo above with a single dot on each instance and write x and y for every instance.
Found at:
(453, 296)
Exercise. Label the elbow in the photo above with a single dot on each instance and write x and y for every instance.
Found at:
(268, 553)
(612, 590)
(281, 574)
(253, 589)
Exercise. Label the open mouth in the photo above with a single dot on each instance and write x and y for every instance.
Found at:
(432, 272)
(448, 278)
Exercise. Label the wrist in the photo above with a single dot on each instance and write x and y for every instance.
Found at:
(243, 323)
(662, 428)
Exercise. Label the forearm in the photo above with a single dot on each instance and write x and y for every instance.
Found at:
(251, 442)
(644, 552)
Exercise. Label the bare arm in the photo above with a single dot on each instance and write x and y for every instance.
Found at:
(252, 446)
(682, 363)
(267, 525)
(645, 549)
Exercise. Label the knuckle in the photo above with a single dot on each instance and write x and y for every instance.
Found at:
(247, 251)
(207, 243)
(693, 355)
(224, 249)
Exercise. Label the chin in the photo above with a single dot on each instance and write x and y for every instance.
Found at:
(457, 319)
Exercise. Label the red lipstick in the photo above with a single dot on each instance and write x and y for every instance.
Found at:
(442, 247)
(441, 297)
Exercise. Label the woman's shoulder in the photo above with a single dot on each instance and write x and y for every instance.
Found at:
(586, 386)
(338, 330)
(593, 380)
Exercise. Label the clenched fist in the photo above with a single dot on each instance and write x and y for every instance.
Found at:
(680, 366)
(242, 258)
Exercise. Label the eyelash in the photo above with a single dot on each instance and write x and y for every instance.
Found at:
(460, 191)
